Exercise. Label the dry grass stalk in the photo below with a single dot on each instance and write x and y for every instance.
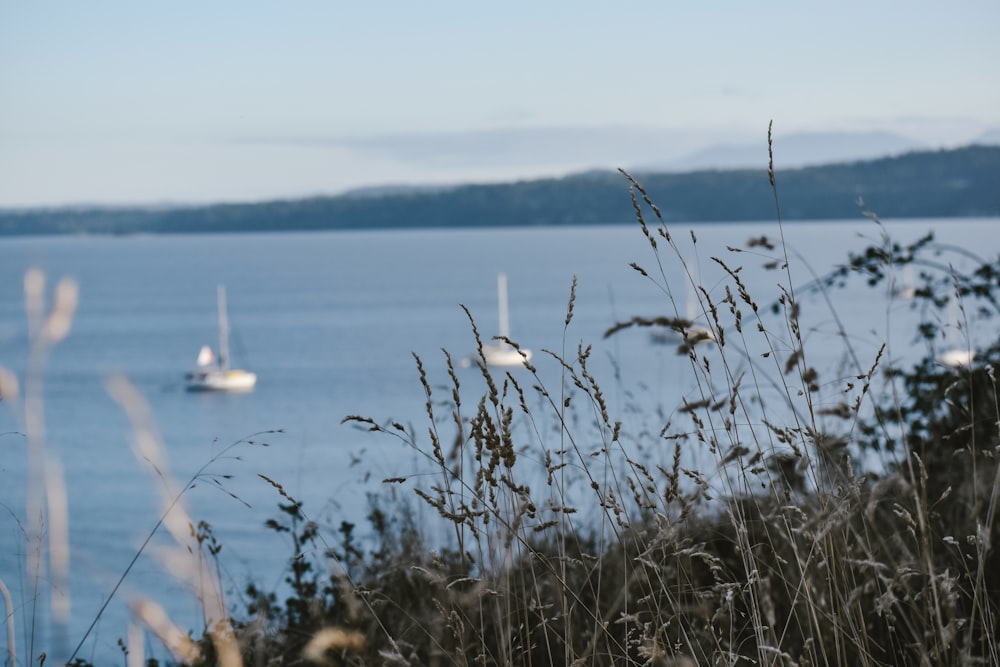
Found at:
(182, 560)
(45, 503)
(153, 616)
(9, 618)
(136, 651)
(332, 640)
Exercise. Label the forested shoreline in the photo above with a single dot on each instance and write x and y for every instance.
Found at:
(934, 184)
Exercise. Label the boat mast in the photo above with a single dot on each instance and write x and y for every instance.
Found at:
(223, 328)
(692, 302)
(502, 305)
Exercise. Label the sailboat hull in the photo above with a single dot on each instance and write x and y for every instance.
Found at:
(221, 380)
(503, 355)
(956, 358)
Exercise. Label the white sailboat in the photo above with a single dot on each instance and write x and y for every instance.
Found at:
(501, 353)
(214, 374)
(906, 289)
(693, 334)
(959, 353)
(956, 357)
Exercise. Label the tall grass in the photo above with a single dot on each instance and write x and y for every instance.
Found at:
(45, 524)
(851, 522)
(794, 546)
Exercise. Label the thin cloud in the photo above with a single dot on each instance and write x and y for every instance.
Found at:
(609, 146)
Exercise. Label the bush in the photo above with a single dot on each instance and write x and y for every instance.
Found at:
(574, 549)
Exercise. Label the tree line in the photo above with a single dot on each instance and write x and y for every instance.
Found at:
(958, 182)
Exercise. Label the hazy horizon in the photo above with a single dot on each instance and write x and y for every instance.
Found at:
(114, 103)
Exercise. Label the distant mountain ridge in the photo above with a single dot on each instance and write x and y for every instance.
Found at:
(797, 150)
(944, 183)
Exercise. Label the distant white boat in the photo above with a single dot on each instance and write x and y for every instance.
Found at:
(955, 356)
(906, 289)
(694, 334)
(213, 373)
(500, 353)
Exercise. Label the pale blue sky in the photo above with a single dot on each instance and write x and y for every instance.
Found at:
(120, 101)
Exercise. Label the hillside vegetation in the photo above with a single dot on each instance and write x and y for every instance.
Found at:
(948, 183)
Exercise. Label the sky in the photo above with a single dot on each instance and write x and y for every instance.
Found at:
(121, 102)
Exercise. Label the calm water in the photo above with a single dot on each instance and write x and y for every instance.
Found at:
(328, 321)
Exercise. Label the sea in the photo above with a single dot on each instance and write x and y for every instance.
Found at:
(333, 324)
